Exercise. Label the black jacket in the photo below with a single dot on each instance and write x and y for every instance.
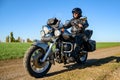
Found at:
(73, 24)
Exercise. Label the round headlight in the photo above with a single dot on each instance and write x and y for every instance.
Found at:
(57, 33)
(42, 33)
(46, 29)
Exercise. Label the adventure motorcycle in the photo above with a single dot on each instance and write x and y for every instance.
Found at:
(55, 45)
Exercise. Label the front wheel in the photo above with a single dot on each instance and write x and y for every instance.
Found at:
(32, 62)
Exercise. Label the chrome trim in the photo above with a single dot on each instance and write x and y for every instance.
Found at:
(71, 47)
(46, 29)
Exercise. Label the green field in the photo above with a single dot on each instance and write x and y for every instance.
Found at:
(17, 50)
(107, 44)
(13, 50)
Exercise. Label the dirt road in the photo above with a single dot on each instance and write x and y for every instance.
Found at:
(14, 70)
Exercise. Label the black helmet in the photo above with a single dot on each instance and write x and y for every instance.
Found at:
(77, 10)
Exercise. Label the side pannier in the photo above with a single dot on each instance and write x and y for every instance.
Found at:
(91, 45)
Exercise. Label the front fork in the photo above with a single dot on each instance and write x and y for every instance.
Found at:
(48, 51)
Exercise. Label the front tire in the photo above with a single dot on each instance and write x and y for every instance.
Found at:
(32, 62)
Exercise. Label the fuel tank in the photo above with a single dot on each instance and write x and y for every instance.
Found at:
(67, 36)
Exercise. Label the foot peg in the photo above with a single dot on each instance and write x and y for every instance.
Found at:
(83, 52)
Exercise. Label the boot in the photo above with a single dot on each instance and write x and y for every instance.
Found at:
(83, 52)
(70, 59)
(78, 48)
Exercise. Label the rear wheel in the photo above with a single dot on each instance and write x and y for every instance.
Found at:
(82, 58)
(32, 62)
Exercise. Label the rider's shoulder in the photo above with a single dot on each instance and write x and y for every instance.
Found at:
(83, 18)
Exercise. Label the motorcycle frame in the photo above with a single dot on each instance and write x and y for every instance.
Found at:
(45, 46)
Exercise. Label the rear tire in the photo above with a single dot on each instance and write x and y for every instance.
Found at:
(82, 58)
(32, 62)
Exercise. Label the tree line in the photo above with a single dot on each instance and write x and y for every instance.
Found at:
(10, 38)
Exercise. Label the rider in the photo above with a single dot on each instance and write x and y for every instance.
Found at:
(78, 24)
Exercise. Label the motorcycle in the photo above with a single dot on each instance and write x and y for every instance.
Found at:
(56, 45)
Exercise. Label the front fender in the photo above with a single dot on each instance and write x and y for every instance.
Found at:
(41, 44)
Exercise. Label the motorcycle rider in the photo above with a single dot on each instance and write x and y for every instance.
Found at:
(78, 24)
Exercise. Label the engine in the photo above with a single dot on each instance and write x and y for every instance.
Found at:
(67, 47)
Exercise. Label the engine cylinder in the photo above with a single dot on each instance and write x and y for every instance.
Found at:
(67, 47)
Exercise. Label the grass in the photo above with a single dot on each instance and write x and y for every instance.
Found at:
(107, 44)
(13, 50)
(17, 50)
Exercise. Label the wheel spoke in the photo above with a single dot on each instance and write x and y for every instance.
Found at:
(34, 62)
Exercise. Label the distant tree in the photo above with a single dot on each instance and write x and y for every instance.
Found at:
(18, 40)
(12, 39)
(28, 40)
(7, 39)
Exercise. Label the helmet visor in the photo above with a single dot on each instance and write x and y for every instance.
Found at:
(75, 12)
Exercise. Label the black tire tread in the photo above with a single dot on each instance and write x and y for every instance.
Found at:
(27, 64)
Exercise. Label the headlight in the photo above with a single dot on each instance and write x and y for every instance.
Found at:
(57, 33)
(42, 33)
(46, 29)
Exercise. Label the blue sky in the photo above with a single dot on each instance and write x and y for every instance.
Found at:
(25, 17)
